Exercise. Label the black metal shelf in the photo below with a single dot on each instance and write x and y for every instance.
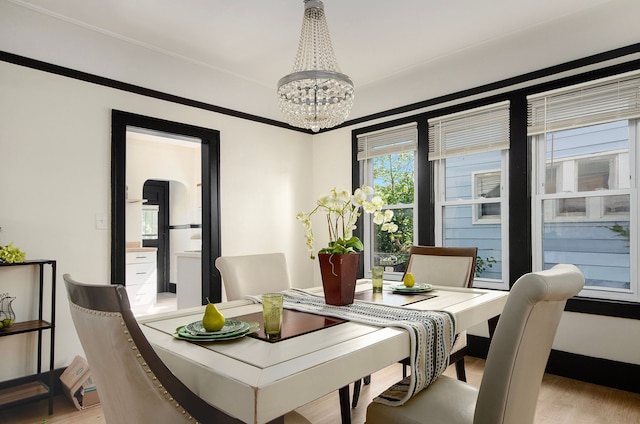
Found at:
(14, 393)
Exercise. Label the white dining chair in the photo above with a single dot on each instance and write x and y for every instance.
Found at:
(444, 266)
(133, 383)
(258, 274)
(515, 364)
(253, 274)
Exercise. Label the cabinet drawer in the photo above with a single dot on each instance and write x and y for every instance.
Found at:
(142, 294)
(139, 273)
(140, 257)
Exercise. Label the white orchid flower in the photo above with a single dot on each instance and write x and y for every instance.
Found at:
(378, 218)
(342, 211)
(359, 197)
(341, 195)
(369, 207)
(389, 227)
(368, 190)
(377, 202)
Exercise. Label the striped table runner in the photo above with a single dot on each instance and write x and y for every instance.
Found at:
(432, 335)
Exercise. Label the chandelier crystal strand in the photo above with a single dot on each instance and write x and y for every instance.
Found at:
(315, 94)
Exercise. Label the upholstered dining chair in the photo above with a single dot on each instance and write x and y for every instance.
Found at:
(133, 383)
(257, 274)
(444, 266)
(253, 274)
(515, 364)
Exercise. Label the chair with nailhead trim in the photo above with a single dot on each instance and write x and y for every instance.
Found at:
(133, 383)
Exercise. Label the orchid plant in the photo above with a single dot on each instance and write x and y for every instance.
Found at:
(342, 210)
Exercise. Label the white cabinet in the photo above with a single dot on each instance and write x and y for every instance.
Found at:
(189, 283)
(141, 278)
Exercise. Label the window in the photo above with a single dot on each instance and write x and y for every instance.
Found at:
(387, 163)
(150, 222)
(470, 151)
(486, 185)
(585, 205)
(597, 172)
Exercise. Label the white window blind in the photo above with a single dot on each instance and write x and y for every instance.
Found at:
(385, 142)
(477, 130)
(595, 102)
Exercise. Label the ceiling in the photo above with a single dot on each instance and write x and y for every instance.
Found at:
(388, 48)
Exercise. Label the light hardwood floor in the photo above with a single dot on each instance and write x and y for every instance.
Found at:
(561, 401)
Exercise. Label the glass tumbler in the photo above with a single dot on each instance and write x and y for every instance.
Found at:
(272, 314)
(377, 273)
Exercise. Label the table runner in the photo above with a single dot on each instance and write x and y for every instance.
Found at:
(431, 333)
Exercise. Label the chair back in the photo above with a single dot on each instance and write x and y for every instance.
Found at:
(253, 274)
(521, 345)
(133, 383)
(443, 266)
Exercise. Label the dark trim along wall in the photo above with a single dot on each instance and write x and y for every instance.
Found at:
(603, 372)
(119, 85)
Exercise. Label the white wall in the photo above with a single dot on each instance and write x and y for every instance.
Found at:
(55, 176)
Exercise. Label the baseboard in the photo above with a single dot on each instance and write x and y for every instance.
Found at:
(603, 372)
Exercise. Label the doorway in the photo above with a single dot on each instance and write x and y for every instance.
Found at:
(210, 164)
(155, 227)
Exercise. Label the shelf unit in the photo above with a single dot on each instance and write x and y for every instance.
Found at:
(33, 387)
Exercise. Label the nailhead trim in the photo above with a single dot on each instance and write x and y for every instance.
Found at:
(138, 356)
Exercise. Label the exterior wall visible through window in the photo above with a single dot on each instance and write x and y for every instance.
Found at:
(585, 203)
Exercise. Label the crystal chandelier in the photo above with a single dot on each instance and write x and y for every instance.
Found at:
(315, 94)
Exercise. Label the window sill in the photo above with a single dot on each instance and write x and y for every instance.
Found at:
(611, 308)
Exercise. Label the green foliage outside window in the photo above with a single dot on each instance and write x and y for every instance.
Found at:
(393, 177)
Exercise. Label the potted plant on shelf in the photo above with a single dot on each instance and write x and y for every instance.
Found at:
(339, 259)
(10, 254)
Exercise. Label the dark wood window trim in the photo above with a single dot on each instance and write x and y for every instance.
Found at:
(520, 243)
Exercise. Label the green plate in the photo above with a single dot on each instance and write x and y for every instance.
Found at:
(231, 325)
(249, 327)
(185, 332)
(417, 288)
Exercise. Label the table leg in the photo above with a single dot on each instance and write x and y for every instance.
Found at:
(356, 392)
(345, 410)
(493, 323)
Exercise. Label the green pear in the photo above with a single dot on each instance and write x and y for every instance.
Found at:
(409, 280)
(213, 320)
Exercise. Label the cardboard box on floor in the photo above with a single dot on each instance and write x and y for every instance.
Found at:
(78, 385)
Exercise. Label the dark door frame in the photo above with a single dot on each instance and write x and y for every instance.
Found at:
(210, 151)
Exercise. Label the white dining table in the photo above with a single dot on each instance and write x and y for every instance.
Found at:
(258, 381)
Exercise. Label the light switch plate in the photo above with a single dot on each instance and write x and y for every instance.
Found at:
(101, 221)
